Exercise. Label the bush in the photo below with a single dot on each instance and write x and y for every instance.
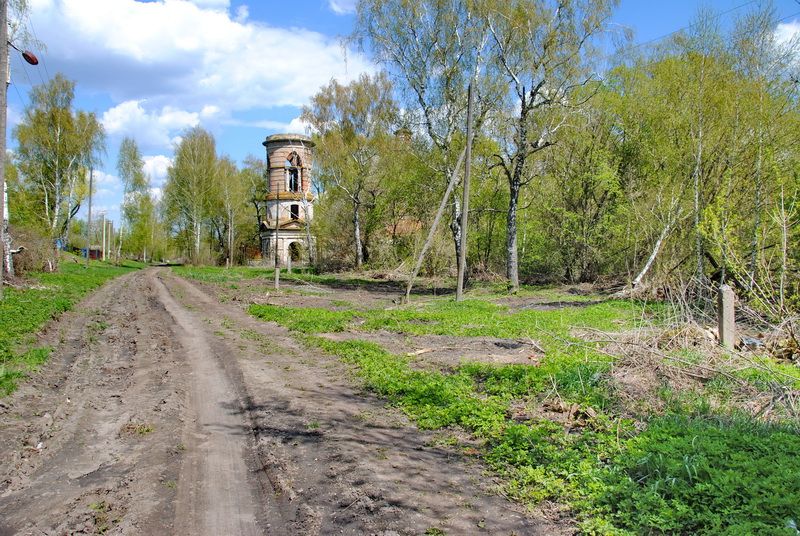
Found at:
(39, 252)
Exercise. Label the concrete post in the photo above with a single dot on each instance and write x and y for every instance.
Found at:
(725, 317)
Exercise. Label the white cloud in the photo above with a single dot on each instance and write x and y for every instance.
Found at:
(242, 13)
(105, 180)
(189, 54)
(295, 126)
(786, 32)
(213, 4)
(156, 168)
(342, 7)
(151, 129)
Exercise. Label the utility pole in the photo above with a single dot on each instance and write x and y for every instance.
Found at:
(3, 104)
(462, 264)
(277, 226)
(103, 246)
(89, 217)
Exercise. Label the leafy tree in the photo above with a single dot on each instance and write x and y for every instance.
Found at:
(541, 49)
(189, 187)
(353, 123)
(229, 205)
(138, 206)
(56, 146)
(434, 48)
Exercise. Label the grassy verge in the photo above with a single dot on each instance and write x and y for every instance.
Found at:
(682, 469)
(23, 312)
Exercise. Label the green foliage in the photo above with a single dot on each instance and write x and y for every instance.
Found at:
(682, 472)
(302, 319)
(55, 147)
(24, 312)
(704, 476)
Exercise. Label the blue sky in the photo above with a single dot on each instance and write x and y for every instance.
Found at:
(241, 69)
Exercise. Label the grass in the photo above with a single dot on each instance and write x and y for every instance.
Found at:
(688, 469)
(23, 313)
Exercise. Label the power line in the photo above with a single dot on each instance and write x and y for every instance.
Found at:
(36, 37)
(692, 25)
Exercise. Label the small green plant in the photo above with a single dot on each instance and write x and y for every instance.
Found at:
(140, 429)
(313, 425)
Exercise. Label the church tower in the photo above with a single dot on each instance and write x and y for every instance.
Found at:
(289, 201)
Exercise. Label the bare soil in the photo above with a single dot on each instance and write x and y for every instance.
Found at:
(166, 409)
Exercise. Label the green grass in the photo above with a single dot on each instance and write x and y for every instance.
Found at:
(23, 312)
(689, 469)
(304, 320)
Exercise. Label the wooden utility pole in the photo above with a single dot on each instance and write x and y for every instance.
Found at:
(3, 104)
(462, 264)
(277, 225)
(89, 217)
(428, 241)
(103, 241)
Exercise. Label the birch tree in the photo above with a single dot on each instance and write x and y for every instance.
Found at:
(540, 48)
(190, 182)
(56, 146)
(353, 124)
(434, 48)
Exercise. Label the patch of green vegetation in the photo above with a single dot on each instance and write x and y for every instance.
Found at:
(702, 475)
(432, 399)
(214, 274)
(23, 312)
(683, 474)
(137, 428)
(304, 320)
(683, 471)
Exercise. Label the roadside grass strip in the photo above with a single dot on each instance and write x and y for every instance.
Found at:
(685, 471)
(23, 313)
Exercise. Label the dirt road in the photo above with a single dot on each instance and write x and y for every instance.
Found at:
(164, 411)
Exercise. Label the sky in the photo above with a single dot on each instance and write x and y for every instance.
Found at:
(241, 69)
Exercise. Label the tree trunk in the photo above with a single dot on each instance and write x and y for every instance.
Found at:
(512, 260)
(196, 224)
(455, 227)
(514, 185)
(357, 236)
(450, 185)
(638, 280)
(698, 237)
(8, 261)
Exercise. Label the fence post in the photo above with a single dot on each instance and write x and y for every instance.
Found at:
(725, 317)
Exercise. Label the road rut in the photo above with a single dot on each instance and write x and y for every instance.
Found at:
(165, 411)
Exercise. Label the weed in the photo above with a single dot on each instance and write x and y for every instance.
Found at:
(140, 429)
(313, 425)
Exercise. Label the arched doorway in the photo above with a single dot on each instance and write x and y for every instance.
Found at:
(295, 252)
